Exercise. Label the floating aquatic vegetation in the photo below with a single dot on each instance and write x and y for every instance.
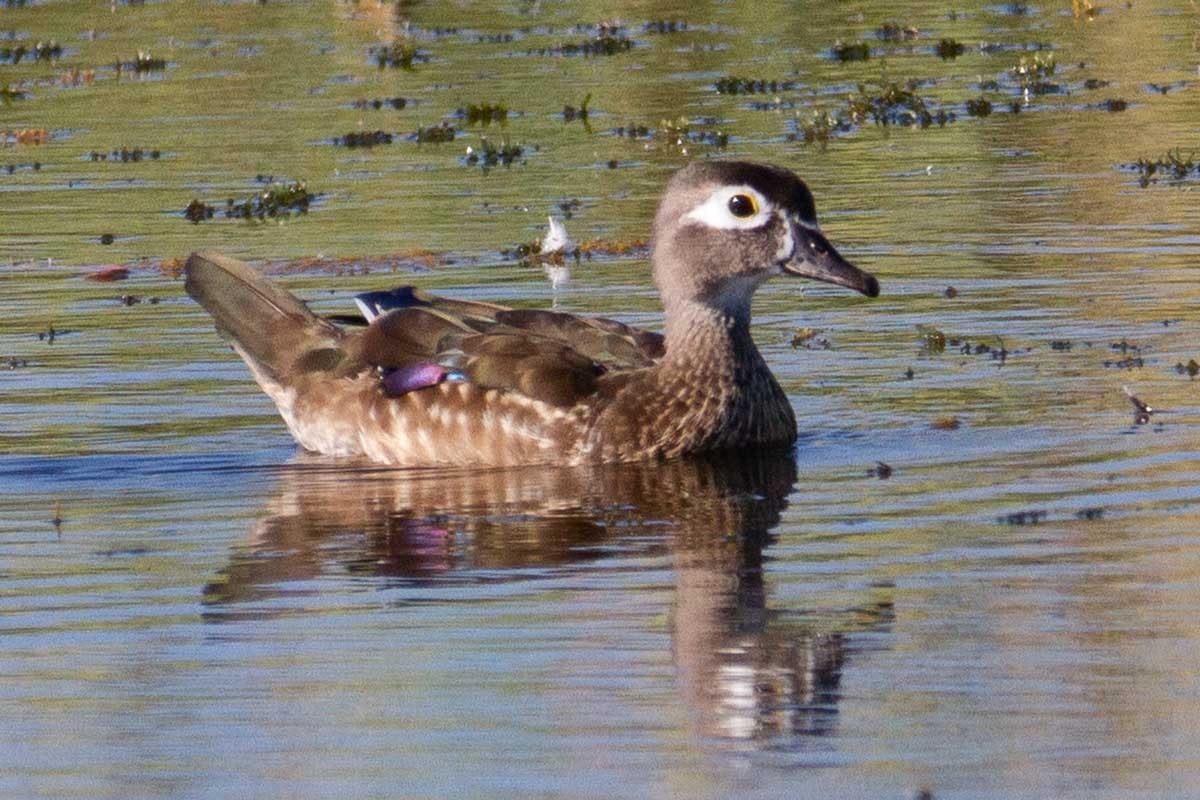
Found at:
(1114, 105)
(490, 154)
(810, 339)
(134, 299)
(633, 131)
(852, 51)
(197, 211)
(483, 114)
(996, 352)
(398, 55)
(621, 247)
(991, 48)
(572, 113)
(397, 103)
(1032, 75)
(776, 103)
(34, 166)
(435, 134)
(1095, 83)
(1032, 517)
(41, 51)
(125, 155)
(664, 26)
(946, 424)
(434, 32)
(10, 93)
(586, 249)
(933, 341)
(736, 85)
(949, 49)
(144, 62)
(819, 126)
(568, 207)
(1166, 88)
(1130, 361)
(277, 201)
(608, 41)
(524, 252)
(679, 133)
(895, 104)
(495, 38)
(1174, 166)
(363, 139)
(979, 107)
(896, 32)
(51, 334)
(33, 136)
(880, 470)
(74, 76)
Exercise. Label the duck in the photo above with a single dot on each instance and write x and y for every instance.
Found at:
(422, 380)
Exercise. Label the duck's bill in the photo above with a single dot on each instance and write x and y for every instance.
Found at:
(816, 258)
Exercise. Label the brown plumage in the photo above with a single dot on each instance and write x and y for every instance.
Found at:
(545, 387)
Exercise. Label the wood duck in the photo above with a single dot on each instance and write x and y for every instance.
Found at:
(435, 381)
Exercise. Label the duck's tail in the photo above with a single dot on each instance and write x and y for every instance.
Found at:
(276, 334)
(306, 364)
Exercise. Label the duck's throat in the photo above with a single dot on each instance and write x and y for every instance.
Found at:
(723, 393)
(709, 343)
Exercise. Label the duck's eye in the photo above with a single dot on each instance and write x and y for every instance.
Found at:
(742, 205)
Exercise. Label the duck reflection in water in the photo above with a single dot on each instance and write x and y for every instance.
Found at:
(747, 671)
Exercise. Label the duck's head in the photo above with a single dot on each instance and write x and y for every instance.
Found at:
(724, 227)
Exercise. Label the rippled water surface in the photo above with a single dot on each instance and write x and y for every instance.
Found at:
(191, 608)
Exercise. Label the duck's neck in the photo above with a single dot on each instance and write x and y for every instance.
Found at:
(710, 342)
(715, 387)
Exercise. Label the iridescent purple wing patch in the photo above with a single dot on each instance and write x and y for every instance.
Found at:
(402, 380)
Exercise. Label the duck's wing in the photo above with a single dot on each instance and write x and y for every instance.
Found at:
(546, 355)
(612, 343)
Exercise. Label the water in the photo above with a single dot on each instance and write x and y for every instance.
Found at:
(190, 608)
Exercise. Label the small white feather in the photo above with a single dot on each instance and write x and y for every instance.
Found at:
(556, 240)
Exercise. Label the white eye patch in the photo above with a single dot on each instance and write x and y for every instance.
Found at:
(716, 211)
